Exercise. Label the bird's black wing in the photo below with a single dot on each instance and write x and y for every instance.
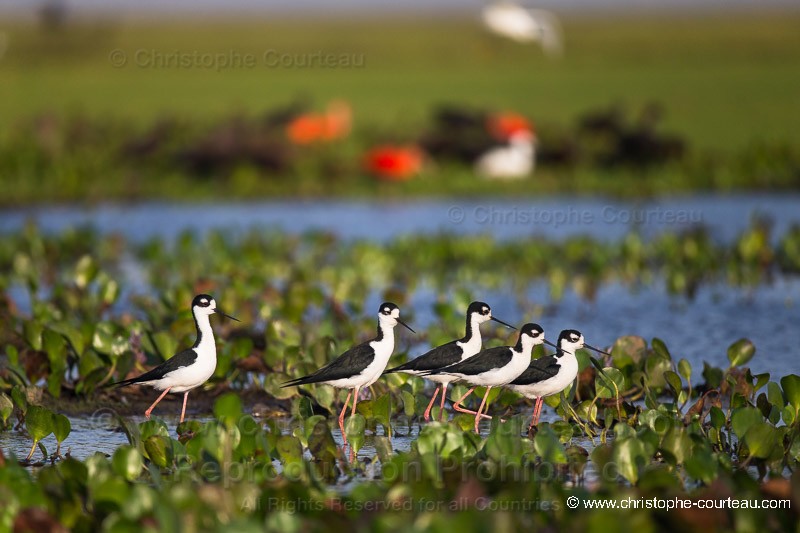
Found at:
(179, 360)
(440, 357)
(350, 363)
(486, 360)
(540, 369)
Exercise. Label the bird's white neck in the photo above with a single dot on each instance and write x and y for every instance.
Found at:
(473, 342)
(386, 334)
(205, 345)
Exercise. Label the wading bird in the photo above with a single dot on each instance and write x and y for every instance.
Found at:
(451, 353)
(551, 374)
(190, 368)
(495, 367)
(361, 365)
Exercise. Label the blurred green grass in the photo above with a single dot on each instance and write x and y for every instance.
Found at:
(726, 80)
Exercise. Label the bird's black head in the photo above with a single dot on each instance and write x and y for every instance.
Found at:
(389, 315)
(386, 308)
(570, 340)
(205, 305)
(532, 330)
(202, 300)
(480, 308)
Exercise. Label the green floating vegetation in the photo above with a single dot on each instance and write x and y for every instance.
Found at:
(84, 324)
(639, 424)
(738, 442)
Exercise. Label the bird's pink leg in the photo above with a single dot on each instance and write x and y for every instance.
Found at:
(150, 409)
(427, 415)
(341, 416)
(461, 409)
(539, 405)
(458, 407)
(480, 408)
(533, 416)
(183, 411)
(355, 401)
(442, 414)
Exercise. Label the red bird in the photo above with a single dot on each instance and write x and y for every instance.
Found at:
(310, 128)
(394, 162)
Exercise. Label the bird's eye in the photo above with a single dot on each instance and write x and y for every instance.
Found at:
(485, 310)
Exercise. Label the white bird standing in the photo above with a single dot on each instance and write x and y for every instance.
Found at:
(514, 160)
(190, 368)
(524, 25)
(551, 374)
(360, 366)
(449, 354)
(495, 367)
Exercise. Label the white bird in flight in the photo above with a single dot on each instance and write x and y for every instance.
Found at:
(524, 25)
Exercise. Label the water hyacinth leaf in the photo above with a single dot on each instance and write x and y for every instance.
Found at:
(72, 334)
(382, 411)
(39, 422)
(712, 375)
(128, 462)
(354, 429)
(661, 349)
(85, 271)
(606, 381)
(55, 346)
(674, 382)
(272, 385)
(655, 367)
(743, 419)
(103, 337)
(628, 351)
(165, 344)
(289, 449)
(6, 407)
(409, 404)
(61, 427)
(302, 407)
(503, 442)
(717, 416)
(630, 456)
(383, 448)
(791, 389)
(761, 438)
(677, 443)
(321, 443)
(775, 395)
(32, 331)
(702, 465)
(228, 409)
(685, 370)
(788, 414)
(20, 398)
(548, 446)
(159, 450)
(740, 352)
(153, 427)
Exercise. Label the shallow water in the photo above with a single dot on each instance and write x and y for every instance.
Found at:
(553, 217)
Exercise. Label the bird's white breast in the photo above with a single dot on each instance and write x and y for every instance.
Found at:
(567, 373)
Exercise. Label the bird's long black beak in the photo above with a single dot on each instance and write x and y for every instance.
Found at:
(598, 350)
(220, 312)
(500, 321)
(406, 325)
(547, 342)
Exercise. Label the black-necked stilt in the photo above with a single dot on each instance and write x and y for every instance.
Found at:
(190, 368)
(495, 367)
(361, 365)
(551, 374)
(451, 353)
